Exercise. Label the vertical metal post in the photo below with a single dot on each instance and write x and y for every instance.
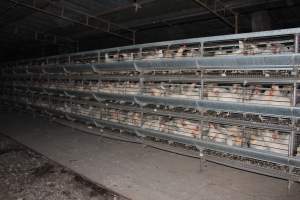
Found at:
(236, 23)
(292, 140)
(141, 53)
(244, 139)
(244, 92)
(201, 98)
(98, 57)
(202, 159)
(294, 101)
(142, 116)
(295, 91)
(296, 43)
(202, 49)
(87, 20)
(202, 86)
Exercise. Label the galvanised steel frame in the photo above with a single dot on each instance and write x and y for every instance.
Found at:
(91, 64)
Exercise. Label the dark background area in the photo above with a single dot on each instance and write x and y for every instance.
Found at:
(37, 28)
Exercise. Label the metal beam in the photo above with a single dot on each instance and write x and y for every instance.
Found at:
(217, 8)
(157, 21)
(125, 7)
(7, 10)
(172, 18)
(169, 18)
(81, 18)
(46, 37)
(39, 36)
(192, 13)
(18, 17)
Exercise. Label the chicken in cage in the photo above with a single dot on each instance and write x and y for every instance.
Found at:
(230, 135)
(190, 91)
(180, 126)
(134, 118)
(152, 54)
(218, 93)
(111, 57)
(226, 73)
(272, 95)
(180, 51)
(246, 97)
(284, 45)
(270, 140)
(126, 87)
(152, 122)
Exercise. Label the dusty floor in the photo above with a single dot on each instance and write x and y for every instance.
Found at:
(138, 172)
(26, 175)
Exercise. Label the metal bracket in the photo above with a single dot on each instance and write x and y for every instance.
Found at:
(69, 118)
(98, 125)
(141, 137)
(97, 98)
(142, 104)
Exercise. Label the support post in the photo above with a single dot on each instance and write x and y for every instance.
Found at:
(236, 23)
(296, 43)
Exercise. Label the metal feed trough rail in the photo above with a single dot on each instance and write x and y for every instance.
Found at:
(235, 94)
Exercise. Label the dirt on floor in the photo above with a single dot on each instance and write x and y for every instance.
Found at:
(27, 175)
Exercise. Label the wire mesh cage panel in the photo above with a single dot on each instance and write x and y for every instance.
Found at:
(20, 69)
(248, 119)
(181, 73)
(40, 100)
(60, 105)
(222, 48)
(37, 62)
(268, 140)
(253, 46)
(84, 58)
(247, 73)
(63, 59)
(122, 116)
(153, 52)
(182, 50)
(108, 57)
(120, 72)
(231, 135)
(297, 145)
(129, 54)
(190, 91)
(35, 69)
(172, 125)
(237, 93)
(270, 94)
(126, 87)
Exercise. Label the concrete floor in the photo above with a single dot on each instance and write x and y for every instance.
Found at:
(138, 172)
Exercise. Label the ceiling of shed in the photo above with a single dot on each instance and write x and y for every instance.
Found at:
(27, 32)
